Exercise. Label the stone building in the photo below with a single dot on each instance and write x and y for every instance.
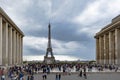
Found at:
(11, 41)
(108, 43)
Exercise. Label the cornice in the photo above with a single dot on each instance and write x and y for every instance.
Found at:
(4, 15)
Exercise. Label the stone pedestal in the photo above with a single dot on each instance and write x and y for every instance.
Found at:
(49, 60)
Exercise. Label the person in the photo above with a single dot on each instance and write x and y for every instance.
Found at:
(3, 74)
(44, 70)
(69, 71)
(21, 75)
(84, 73)
(64, 70)
(0, 72)
(59, 67)
(14, 76)
(80, 72)
(44, 76)
(30, 77)
(58, 76)
(116, 68)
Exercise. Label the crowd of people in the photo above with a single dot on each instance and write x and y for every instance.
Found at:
(28, 70)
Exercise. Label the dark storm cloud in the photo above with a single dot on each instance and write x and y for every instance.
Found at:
(84, 52)
(33, 51)
(40, 17)
(37, 32)
(63, 31)
(63, 10)
(68, 32)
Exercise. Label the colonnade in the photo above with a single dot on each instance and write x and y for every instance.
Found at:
(11, 43)
(108, 47)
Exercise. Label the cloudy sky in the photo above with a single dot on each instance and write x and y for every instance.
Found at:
(73, 22)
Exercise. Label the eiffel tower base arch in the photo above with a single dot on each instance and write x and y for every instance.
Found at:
(49, 60)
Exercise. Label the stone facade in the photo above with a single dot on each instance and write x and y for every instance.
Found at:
(11, 41)
(108, 43)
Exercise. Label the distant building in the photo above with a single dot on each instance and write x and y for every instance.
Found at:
(108, 43)
(11, 41)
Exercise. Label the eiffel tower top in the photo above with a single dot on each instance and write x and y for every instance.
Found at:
(49, 36)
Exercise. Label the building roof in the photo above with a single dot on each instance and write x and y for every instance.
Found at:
(115, 22)
(117, 18)
(3, 14)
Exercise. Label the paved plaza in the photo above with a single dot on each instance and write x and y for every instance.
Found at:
(91, 76)
(74, 76)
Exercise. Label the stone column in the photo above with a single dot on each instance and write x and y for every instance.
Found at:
(100, 61)
(22, 49)
(110, 47)
(113, 47)
(0, 40)
(107, 49)
(117, 46)
(4, 60)
(6, 44)
(10, 46)
(14, 47)
(104, 50)
(17, 48)
(97, 50)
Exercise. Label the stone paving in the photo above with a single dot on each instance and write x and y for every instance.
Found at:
(93, 70)
(90, 76)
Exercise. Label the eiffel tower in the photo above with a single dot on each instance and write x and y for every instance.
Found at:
(47, 59)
